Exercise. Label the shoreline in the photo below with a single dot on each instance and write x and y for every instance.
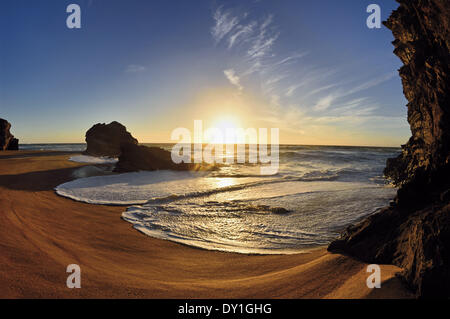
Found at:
(41, 233)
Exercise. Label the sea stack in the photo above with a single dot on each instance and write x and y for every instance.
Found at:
(107, 139)
(414, 233)
(7, 140)
(113, 140)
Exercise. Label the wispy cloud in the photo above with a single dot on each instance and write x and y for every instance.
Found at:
(135, 68)
(372, 83)
(323, 88)
(255, 39)
(233, 78)
(324, 103)
(225, 22)
(242, 32)
(292, 88)
(264, 40)
(291, 58)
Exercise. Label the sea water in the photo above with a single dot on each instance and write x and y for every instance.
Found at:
(318, 192)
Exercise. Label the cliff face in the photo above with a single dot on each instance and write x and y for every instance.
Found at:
(7, 140)
(415, 232)
(421, 31)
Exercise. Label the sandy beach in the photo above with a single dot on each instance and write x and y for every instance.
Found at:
(41, 233)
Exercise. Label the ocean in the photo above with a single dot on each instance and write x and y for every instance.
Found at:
(317, 193)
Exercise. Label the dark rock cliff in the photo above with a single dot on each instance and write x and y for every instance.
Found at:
(415, 233)
(421, 31)
(7, 140)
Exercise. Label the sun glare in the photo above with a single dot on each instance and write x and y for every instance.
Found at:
(224, 124)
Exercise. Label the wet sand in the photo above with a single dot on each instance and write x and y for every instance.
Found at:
(41, 233)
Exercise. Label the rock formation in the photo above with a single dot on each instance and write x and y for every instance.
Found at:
(107, 139)
(7, 140)
(414, 233)
(142, 158)
(113, 140)
(138, 157)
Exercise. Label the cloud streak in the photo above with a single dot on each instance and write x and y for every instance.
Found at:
(224, 23)
(253, 39)
(135, 68)
(233, 78)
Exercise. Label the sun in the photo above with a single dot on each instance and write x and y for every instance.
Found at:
(225, 124)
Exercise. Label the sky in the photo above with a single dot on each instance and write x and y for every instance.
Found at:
(313, 69)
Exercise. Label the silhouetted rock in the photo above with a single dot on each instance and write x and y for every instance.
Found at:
(421, 31)
(414, 233)
(107, 139)
(7, 140)
(418, 241)
(142, 158)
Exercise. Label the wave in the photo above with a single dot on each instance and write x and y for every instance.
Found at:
(142, 187)
(93, 159)
(308, 219)
(338, 156)
(166, 186)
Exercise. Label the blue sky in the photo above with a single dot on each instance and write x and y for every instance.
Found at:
(311, 68)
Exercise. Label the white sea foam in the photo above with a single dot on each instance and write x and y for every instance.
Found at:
(140, 187)
(245, 220)
(93, 160)
(90, 170)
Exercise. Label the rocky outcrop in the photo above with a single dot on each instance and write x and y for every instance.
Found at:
(422, 40)
(416, 240)
(7, 140)
(113, 140)
(107, 139)
(415, 232)
(142, 158)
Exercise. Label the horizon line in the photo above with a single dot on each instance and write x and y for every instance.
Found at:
(280, 144)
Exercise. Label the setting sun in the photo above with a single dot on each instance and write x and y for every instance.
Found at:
(224, 124)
